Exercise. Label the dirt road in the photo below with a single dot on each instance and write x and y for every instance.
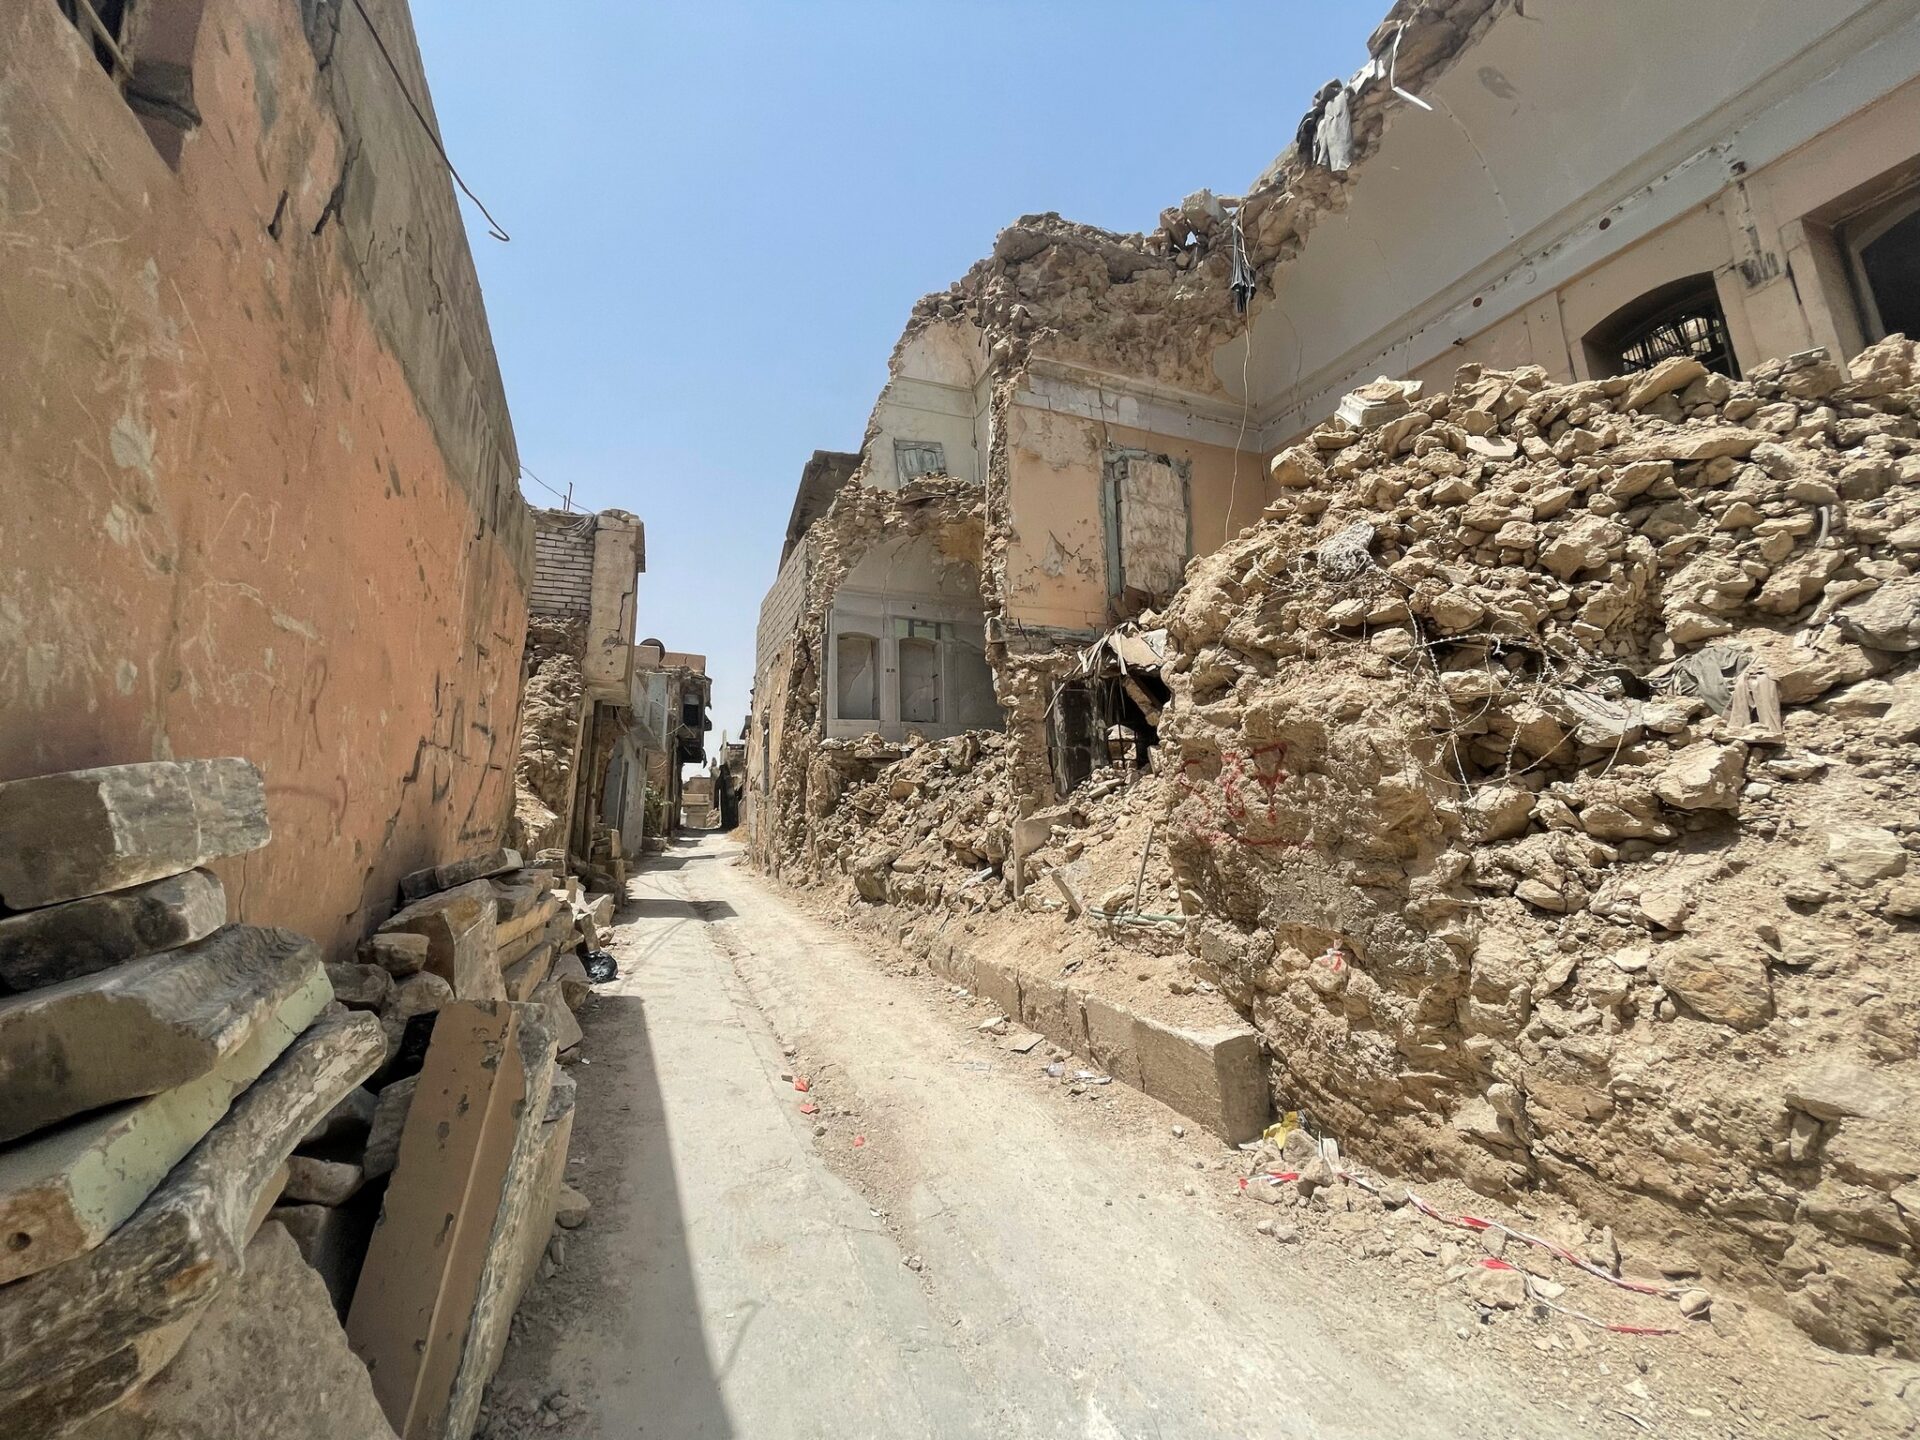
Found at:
(952, 1245)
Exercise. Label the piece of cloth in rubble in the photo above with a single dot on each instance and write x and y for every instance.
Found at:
(1708, 672)
(1333, 140)
(1240, 281)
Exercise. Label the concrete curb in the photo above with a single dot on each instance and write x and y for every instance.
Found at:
(1217, 1077)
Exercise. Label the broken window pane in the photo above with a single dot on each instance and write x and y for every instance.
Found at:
(914, 458)
(855, 692)
(919, 682)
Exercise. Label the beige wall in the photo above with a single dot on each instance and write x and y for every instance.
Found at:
(1785, 213)
(1056, 557)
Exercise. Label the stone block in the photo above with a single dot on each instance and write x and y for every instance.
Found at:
(997, 983)
(313, 1181)
(530, 1229)
(267, 1361)
(82, 937)
(519, 891)
(1051, 1008)
(566, 1029)
(85, 832)
(400, 955)
(145, 1027)
(420, 994)
(575, 987)
(360, 987)
(459, 927)
(530, 974)
(422, 883)
(389, 1123)
(65, 1190)
(1110, 1043)
(559, 923)
(514, 931)
(333, 1240)
(1216, 1077)
(77, 1338)
(435, 1288)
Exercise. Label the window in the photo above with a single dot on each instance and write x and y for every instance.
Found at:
(919, 682)
(1149, 527)
(146, 47)
(914, 458)
(1884, 248)
(1681, 319)
(855, 692)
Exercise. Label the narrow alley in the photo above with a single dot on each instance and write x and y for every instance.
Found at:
(952, 1243)
(700, 740)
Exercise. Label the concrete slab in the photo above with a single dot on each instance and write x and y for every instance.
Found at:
(1216, 1076)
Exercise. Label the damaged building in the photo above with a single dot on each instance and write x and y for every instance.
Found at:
(269, 586)
(1471, 576)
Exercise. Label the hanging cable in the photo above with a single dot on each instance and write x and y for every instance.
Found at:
(493, 225)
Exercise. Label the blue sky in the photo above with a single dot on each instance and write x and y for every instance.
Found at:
(723, 212)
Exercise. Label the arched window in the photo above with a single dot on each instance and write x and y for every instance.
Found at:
(855, 689)
(1680, 319)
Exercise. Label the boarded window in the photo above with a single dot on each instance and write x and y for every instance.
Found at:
(914, 458)
(1147, 504)
(919, 682)
(855, 691)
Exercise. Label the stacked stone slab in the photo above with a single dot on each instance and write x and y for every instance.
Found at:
(425, 1198)
(157, 1068)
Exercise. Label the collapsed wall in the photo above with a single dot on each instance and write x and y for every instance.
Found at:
(550, 714)
(1538, 780)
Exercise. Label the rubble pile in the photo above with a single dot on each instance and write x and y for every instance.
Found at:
(549, 732)
(1158, 305)
(1544, 792)
(190, 1108)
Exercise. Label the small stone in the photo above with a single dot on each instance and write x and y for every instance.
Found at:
(360, 987)
(1704, 776)
(571, 1209)
(1497, 1287)
(1862, 854)
(421, 994)
(312, 1181)
(1179, 1132)
(1695, 1304)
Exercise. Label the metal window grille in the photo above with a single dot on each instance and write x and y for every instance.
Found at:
(914, 458)
(1693, 326)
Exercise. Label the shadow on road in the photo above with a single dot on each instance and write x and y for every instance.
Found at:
(621, 1326)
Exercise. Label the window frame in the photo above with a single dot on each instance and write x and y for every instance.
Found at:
(902, 448)
(1861, 230)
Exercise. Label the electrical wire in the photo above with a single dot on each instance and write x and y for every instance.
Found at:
(543, 484)
(493, 225)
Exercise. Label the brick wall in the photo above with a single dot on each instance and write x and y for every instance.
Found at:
(562, 564)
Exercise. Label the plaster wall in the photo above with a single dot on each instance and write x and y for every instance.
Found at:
(617, 560)
(935, 393)
(1056, 558)
(1535, 168)
(1787, 211)
(253, 508)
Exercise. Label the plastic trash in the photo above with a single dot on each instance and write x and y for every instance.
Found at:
(600, 967)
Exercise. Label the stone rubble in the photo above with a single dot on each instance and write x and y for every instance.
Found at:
(1539, 782)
